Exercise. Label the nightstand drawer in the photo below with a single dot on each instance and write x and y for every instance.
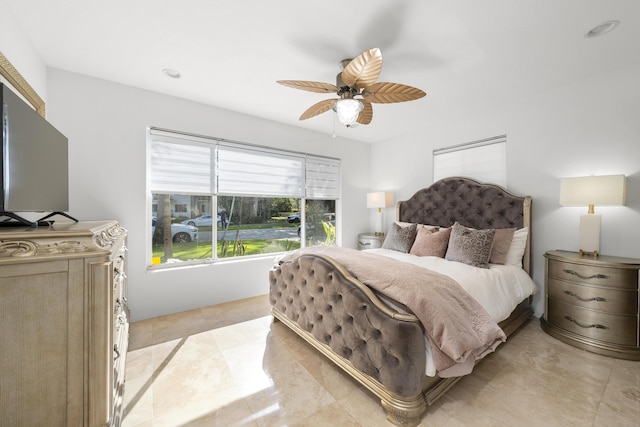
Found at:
(596, 298)
(369, 241)
(593, 324)
(594, 275)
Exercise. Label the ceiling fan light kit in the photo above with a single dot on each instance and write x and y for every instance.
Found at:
(348, 110)
(357, 89)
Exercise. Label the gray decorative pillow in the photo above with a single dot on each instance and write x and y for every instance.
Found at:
(400, 238)
(470, 246)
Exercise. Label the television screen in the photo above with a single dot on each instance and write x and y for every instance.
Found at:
(35, 176)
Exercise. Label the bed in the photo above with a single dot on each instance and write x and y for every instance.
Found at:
(392, 345)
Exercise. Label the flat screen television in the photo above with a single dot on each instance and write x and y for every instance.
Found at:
(35, 163)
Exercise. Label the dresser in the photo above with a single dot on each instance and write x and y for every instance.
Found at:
(369, 241)
(63, 311)
(592, 303)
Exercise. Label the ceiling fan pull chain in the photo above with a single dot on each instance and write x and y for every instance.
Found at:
(334, 126)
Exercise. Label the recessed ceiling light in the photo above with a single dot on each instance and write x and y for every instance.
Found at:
(175, 74)
(603, 28)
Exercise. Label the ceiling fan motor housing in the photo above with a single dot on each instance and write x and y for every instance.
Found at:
(345, 91)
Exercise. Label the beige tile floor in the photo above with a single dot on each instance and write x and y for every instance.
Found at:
(229, 365)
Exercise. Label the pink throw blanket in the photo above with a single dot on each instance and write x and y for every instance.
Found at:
(457, 325)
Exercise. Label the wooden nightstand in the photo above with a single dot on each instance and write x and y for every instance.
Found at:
(592, 303)
(369, 241)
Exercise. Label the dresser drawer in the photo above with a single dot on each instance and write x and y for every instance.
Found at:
(596, 298)
(594, 275)
(594, 324)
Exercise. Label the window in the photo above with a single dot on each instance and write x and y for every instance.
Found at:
(248, 199)
(484, 160)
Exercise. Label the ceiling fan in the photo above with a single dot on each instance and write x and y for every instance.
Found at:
(357, 89)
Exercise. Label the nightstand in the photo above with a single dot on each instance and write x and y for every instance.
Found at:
(592, 303)
(369, 241)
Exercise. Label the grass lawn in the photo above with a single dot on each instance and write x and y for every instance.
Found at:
(196, 250)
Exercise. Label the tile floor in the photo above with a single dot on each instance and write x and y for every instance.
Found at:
(229, 365)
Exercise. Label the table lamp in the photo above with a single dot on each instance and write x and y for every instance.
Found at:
(379, 200)
(604, 190)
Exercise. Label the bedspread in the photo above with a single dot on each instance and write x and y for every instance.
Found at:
(459, 328)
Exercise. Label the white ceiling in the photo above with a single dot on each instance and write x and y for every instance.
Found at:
(464, 53)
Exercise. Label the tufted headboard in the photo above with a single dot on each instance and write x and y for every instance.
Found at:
(472, 204)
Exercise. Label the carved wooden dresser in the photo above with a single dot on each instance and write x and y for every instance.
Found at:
(63, 324)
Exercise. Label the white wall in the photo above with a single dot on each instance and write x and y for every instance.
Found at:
(19, 50)
(105, 123)
(590, 127)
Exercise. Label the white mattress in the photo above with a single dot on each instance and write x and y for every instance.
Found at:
(499, 288)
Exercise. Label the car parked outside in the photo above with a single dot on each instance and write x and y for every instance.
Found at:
(293, 218)
(180, 233)
(203, 221)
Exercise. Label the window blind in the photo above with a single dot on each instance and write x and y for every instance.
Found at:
(182, 163)
(322, 178)
(180, 166)
(252, 171)
(484, 160)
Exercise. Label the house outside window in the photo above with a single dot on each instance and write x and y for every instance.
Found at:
(212, 199)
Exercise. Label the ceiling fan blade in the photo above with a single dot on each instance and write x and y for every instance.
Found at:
(318, 87)
(387, 93)
(365, 116)
(364, 69)
(318, 108)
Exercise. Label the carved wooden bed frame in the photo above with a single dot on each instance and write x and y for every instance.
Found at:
(381, 348)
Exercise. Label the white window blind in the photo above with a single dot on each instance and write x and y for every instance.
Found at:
(322, 178)
(180, 166)
(254, 171)
(484, 160)
(189, 164)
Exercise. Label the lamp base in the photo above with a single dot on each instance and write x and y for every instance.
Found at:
(582, 253)
(590, 233)
(378, 233)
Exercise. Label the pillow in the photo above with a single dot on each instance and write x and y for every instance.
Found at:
(431, 242)
(400, 238)
(404, 224)
(517, 248)
(429, 227)
(501, 243)
(418, 226)
(470, 246)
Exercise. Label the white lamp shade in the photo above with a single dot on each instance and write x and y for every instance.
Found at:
(348, 110)
(604, 190)
(379, 199)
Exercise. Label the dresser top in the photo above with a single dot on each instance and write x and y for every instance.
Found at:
(57, 230)
(588, 259)
(61, 240)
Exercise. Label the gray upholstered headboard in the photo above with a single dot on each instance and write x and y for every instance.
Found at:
(472, 204)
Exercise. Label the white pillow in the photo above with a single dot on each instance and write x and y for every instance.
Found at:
(404, 224)
(419, 226)
(518, 245)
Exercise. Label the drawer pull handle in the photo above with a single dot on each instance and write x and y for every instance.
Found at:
(598, 299)
(365, 244)
(595, 325)
(593, 276)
